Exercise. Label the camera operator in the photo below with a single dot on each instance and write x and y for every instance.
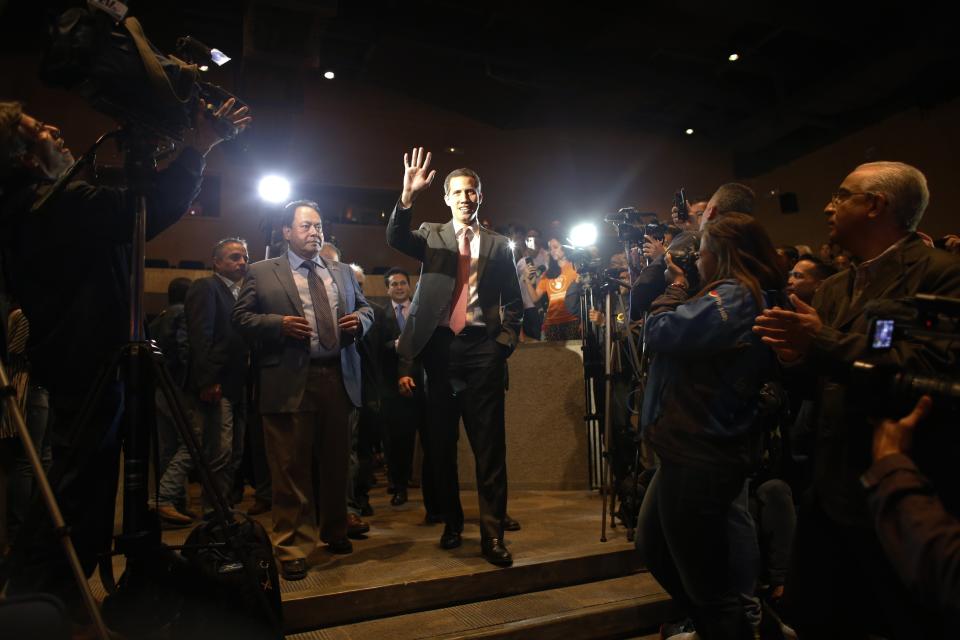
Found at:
(79, 318)
(840, 584)
(650, 283)
(700, 411)
(919, 535)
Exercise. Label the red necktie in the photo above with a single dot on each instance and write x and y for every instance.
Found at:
(461, 290)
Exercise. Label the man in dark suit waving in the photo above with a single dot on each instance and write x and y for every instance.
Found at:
(304, 315)
(463, 324)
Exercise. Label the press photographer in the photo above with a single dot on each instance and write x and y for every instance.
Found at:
(651, 283)
(79, 317)
(700, 412)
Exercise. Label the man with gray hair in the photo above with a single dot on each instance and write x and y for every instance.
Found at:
(842, 585)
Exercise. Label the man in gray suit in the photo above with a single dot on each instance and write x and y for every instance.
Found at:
(462, 324)
(304, 314)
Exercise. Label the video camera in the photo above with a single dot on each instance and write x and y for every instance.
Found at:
(628, 223)
(922, 316)
(584, 262)
(105, 57)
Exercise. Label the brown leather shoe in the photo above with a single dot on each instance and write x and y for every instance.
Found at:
(259, 506)
(170, 515)
(355, 526)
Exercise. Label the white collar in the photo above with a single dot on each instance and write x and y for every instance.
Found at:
(457, 226)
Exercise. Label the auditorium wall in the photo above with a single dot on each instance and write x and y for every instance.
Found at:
(352, 135)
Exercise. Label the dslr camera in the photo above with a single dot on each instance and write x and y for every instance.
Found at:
(922, 317)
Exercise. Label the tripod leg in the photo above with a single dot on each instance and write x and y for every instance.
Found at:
(182, 423)
(46, 492)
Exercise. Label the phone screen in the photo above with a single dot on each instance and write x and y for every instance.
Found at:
(882, 334)
(531, 243)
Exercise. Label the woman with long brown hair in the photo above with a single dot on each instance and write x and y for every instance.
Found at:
(700, 415)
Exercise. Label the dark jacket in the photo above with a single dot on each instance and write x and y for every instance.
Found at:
(69, 266)
(218, 353)
(169, 331)
(269, 293)
(920, 537)
(435, 245)
(701, 402)
(371, 357)
(843, 438)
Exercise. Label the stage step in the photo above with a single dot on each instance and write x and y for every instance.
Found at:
(476, 581)
(608, 608)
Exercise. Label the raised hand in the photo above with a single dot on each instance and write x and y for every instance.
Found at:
(417, 175)
(896, 436)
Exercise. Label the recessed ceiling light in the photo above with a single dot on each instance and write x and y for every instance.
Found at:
(329, 75)
(689, 132)
(733, 57)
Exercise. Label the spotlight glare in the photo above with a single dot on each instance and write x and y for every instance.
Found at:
(689, 132)
(204, 67)
(583, 235)
(274, 189)
(733, 57)
(329, 75)
(511, 244)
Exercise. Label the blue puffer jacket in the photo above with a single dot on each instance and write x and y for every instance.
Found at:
(701, 401)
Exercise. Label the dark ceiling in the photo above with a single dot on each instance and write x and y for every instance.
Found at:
(804, 78)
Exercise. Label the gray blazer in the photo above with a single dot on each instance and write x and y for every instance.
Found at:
(435, 245)
(268, 294)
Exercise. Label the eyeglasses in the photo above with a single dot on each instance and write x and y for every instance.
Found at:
(842, 194)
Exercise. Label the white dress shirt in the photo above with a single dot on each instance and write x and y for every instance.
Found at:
(333, 296)
(474, 312)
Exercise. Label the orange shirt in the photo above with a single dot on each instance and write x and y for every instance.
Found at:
(556, 290)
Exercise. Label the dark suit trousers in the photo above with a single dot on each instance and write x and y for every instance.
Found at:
(465, 379)
(307, 452)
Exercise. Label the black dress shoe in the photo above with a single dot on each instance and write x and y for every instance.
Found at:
(496, 552)
(365, 509)
(293, 569)
(509, 524)
(450, 539)
(399, 498)
(341, 546)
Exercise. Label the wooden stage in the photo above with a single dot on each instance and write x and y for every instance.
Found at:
(398, 583)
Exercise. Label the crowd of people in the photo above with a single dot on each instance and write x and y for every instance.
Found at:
(294, 382)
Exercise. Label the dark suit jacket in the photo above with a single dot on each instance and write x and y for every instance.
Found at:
(218, 353)
(435, 245)
(843, 433)
(268, 294)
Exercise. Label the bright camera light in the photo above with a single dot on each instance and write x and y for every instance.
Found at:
(274, 189)
(733, 57)
(583, 235)
(689, 132)
(329, 75)
(511, 244)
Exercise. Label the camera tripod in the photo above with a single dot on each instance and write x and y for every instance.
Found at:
(137, 604)
(597, 384)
